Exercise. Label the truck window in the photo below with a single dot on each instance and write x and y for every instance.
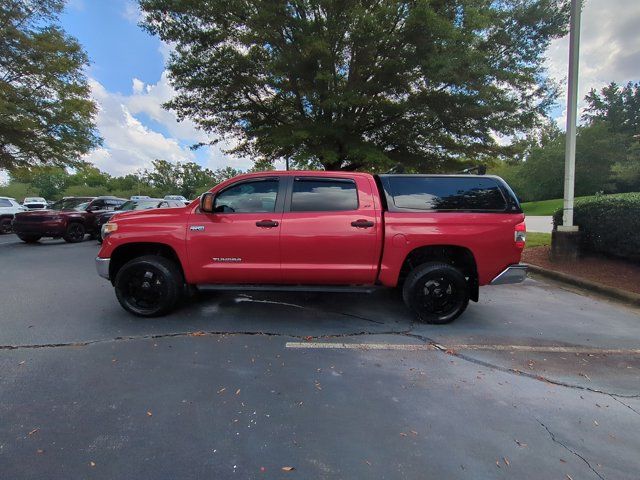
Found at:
(323, 195)
(447, 193)
(248, 197)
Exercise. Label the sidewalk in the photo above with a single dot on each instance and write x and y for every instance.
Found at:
(542, 224)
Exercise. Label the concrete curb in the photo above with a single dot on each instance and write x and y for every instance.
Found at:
(605, 290)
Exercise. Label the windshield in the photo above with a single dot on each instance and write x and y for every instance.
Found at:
(70, 204)
(138, 205)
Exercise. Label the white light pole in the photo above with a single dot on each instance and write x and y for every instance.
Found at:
(572, 108)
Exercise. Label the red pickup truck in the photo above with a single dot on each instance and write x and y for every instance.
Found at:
(436, 237)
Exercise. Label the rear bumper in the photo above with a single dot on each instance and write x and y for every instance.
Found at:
(102, 266)
(512, 274)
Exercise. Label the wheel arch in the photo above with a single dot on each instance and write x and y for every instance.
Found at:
(458, 256)
(129, 251)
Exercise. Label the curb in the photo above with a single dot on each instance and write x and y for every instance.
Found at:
(605, 290)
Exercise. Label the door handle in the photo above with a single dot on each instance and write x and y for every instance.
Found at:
(266, 223)
(362, 224)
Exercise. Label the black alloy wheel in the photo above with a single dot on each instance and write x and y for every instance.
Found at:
(437, 292)
(75, 233)
(149, 286)
(5, 225)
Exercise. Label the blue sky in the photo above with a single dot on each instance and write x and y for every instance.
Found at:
(129, 83)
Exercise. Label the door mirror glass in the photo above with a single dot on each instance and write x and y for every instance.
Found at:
(206, 202)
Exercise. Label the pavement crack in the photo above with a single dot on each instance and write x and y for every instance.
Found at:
(196, 333)
(555, 440)
(622, 403)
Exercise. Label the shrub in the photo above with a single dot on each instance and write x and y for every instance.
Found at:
(610, 224)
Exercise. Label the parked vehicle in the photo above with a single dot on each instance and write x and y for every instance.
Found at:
(437, 238)
(139, 197)
(8, 208)
(131, 205)
(180, 198)
(70, 218)
(34, 203)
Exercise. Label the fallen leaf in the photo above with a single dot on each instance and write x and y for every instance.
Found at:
(33, 431)
(22, 362)
(149, 413)
(93, 464)
(506, 461)
(199, 333)
(450, 351)
(569, 477)
(498, 464)
(402, 434)
(221, 390)
(40, 451)
(288, 469)
(238, 392)
(308, 338)
(563, 460)
(520, 444)
(367, 462)
(595, 423)
(414, 432)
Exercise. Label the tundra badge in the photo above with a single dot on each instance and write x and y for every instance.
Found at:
(197, 228)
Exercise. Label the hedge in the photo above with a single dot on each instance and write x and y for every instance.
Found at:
(610, 224)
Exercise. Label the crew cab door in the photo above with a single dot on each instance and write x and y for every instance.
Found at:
(239, 242)
(330, 231)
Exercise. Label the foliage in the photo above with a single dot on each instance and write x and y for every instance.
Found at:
(164, 178)
(358, 84)
(46, 115)
(609, 223)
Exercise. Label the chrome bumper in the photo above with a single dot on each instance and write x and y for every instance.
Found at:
(512, 274)
(102, 266)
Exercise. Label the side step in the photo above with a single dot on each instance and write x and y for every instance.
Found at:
(289, 288)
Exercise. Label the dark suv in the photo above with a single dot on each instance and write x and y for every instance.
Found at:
(70, 218)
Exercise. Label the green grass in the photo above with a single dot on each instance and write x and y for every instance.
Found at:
(536, 239)
(543, 207)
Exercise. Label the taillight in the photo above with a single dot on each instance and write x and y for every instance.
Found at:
(520, 234)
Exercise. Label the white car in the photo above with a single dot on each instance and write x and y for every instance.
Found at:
(8, 208)
(35, 203)
(139, 197)
(178, 198)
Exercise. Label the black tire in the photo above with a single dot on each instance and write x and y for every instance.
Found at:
(436, 292)
(95, 236)
(29, 238)
(75, 233)
(149, 286)
(5, 226)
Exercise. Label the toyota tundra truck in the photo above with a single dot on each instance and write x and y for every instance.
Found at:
(437, 238)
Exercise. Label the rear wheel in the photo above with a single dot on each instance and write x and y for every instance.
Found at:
(436, 292)
(29, 238)
(149, 286)
(75, 233)
(5, 225)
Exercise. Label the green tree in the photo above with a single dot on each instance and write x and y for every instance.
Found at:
(359, 84)
(46, 115)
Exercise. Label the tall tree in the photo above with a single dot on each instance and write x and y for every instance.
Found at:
(360, 84)
(46, 114)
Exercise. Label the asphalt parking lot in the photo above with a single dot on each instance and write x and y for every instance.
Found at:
(535, 381)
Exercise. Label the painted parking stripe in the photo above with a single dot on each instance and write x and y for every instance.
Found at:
(508, 348)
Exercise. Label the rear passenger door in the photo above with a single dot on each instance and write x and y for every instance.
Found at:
(329, 232)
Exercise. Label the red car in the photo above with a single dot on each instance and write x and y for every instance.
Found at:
(70, 218)
(436, 237)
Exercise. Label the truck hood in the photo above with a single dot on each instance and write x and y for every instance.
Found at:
(135, 214)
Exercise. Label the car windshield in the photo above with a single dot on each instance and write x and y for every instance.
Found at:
(70, 204)
(138, 205)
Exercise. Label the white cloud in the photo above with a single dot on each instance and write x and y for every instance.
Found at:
(609, 49)
(132, 12)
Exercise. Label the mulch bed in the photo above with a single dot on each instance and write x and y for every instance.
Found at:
(608, 271)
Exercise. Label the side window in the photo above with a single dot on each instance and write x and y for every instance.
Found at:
(248, 197)
(5, 203)
(323, 195)
(97, 205)
(447, 193)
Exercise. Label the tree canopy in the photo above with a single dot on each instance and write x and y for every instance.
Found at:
(46, 114)
(360, 84)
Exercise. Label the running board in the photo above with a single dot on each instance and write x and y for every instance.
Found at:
(289, 288)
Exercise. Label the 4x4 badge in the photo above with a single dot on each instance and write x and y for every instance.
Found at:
(197, 228)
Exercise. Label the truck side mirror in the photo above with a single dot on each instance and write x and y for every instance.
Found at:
(206, 202)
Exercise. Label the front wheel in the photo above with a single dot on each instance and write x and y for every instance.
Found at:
(5, 225)
(437, 293)
(149, 286)
(75, 233)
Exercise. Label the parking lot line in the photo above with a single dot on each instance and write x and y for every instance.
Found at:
(432, 346)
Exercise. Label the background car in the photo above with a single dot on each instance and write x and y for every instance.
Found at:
(8, 208)
(70, 218)
(139, 197)
(142, 204)
(35, 203)
(180, 198)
